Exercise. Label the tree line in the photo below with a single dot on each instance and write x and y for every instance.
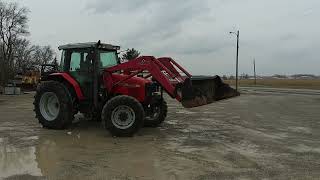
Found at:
(17, 53)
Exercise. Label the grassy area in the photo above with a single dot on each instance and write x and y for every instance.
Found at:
(280, 83)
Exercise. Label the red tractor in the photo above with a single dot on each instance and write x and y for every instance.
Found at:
(125, 96)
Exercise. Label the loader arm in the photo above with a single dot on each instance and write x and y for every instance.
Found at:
(158, 71)
(190, 90)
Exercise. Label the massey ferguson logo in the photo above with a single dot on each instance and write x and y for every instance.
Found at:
(168, 76)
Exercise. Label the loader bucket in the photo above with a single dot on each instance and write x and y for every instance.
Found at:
(201, 90)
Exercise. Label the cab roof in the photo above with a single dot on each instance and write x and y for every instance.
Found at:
(89, 45)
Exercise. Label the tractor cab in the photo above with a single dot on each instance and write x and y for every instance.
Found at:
(81, 56)
(83, 61)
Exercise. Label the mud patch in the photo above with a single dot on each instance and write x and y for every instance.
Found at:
(240, 161)
(259, 115)
(271, 135)
(209, 112)
(300, 130)
(264, 143)
(185, 112)
(172, 122)
(301, 148)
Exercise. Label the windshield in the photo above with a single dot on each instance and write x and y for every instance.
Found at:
(108, 59)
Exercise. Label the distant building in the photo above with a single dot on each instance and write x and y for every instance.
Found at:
(278, 76)
(304, 76)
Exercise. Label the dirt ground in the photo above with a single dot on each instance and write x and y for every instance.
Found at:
(254, 136)
(280, 83)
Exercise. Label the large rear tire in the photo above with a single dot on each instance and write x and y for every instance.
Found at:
(157, 114)
(53, 105)
(123, 116)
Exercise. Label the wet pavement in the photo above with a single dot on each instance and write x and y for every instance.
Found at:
(254, 136)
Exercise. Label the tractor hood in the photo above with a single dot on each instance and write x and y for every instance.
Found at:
(127, 81)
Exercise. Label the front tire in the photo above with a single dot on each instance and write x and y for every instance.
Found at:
(157, 113)
(123, 116)
(53, 105)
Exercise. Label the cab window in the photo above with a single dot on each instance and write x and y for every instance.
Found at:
(75, 61)
(80, 61)
(62, 61)
(108, 59)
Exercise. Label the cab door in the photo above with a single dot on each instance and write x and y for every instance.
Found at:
(81, 69)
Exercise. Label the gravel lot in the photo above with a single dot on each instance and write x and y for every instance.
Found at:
(257, 135)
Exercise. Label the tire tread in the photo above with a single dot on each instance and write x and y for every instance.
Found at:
(123, 100)
(65, 116)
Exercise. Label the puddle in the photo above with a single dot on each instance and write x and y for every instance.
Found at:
(17, 161)
(30, 138)
(91, 156)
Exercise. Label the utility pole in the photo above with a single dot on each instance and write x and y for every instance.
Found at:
(238, 34)
(254, 70)
(237, 57)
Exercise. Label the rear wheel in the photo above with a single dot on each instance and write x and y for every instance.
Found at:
(53, 105)
(156, 114)
(123, 116)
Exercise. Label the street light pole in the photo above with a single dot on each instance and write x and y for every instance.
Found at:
(237, 64)
(254, 71)
(237, 58)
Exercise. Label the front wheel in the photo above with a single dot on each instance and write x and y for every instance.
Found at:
(123, 115)
(156, 114)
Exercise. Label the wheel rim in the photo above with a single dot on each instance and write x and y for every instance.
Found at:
(155, 114)
(123, 117)
(49, 106)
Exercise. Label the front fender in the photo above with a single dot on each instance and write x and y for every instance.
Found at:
(119, 84)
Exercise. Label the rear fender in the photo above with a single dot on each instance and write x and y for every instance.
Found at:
(66, 78)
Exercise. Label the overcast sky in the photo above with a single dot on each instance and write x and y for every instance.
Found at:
(282, 35)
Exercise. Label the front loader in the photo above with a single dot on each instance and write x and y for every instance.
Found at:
(125, 96)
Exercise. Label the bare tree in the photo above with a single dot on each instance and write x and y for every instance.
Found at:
(23, 56)
(55, 62)
(28, 57)
(13, 25)
(43, 55)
